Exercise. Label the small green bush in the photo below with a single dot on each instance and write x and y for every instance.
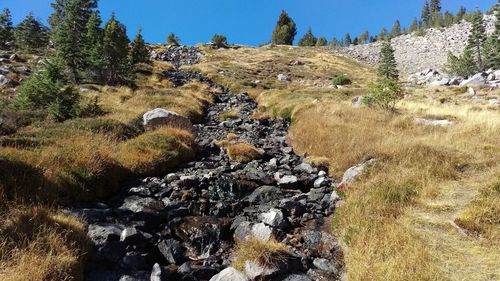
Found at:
(219, 41)
(342, 80)
(384, 93)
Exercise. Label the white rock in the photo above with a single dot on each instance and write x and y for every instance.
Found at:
(273, 218)
(352, 173)
(229, 274)
(262, 232)
(442, 123)
(160, 117)
(282, 77)
(3, 80)
(471, 91)
(156, 273)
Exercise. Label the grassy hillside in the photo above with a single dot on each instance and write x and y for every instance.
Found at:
(428, 210)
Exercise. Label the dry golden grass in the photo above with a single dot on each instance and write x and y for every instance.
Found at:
(239, 69)
(481, 218)
(265, 253)
(243, 152)
(416, 162)
(395, 221)
(38, 244)
(157, 152)
(229, 115)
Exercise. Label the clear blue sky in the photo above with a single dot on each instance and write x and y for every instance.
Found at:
(249, 22)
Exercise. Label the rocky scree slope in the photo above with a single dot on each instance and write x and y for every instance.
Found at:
(416, 53)
(185, 225)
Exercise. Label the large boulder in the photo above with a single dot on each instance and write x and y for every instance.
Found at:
(160, 117)
(476, 80)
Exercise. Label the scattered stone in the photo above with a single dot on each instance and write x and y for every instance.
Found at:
(428, 122)
(354, 172)
(172, 251)
(100, 234)
(156, 273)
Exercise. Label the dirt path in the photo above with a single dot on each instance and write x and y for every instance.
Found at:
(461, 257)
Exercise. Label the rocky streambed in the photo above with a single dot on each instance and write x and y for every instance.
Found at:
(185, 225)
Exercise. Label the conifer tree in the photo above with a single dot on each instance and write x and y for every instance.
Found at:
(59, 7)
(285, 30)
(347, 40)
(435, 13)
(396, 29)
(322, 42)
(460, 14)
(31, 35)
(387, 62)
(219, 41)
(46, 90)
(93, 49)
(115, 51)
(69, 34)
(491, 47)
(138, 51)
(426, 15)
(477, 38)
(308, 40)
(355, 42)
(463, 66)
(6, 28)
(383, 34)
(335, 42)
(173, 40)
(414, 25)
(448, 19)
(364, 37)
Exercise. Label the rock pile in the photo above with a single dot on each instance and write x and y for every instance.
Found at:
(185, 225)
(178, 55)
(490, 78)
(414, 53)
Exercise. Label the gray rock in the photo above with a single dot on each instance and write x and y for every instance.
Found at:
(320, 182)
(138, 204)
(156, 273)
(255, 271)
(476, 80)
(287, 181)
(130, 235)
(262, 232)
(352, 173)
(229, 274)
(172, 250)
(471, 91)
(160, 117)
(428, 122)
(264, 194)
(325, 265)
(283, 77)
(305, 168)
(296, 277)
(273, 218)
(102, 233)
(3, 80)
(357, 101)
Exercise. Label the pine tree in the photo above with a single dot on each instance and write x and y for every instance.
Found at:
(435, 13)
(491, 47)
(363, 38)
(383, 34)
(322, 42)
(46, 89)
(93, 50)
(387, 62)
(460, 14)
(173, 40)
(138, 51)
(219, 41)
(6, 28)
(59, 7)
(69, 34)
(335, 42)
(448, 19)
(31, 35)
(426, 15)
(396, 29)
(285, 30)
(115, 51)
(462, 66)
(308, 40)
(355, 42)
(347, 40)
(477, 38)
(414, 25)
